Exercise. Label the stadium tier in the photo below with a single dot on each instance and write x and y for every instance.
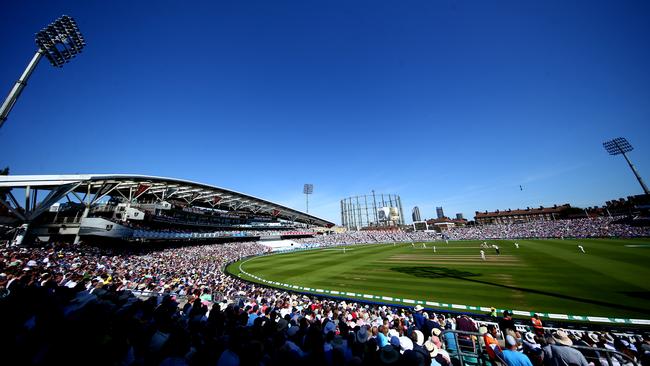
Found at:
(142, 306)
(141, 208)
(382, 296)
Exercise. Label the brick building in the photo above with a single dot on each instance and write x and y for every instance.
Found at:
(520, 215)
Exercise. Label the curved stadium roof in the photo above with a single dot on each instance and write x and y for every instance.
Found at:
(135, 186)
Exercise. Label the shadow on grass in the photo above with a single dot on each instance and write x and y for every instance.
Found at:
(645, 295)
(443, 272)
(434, 272)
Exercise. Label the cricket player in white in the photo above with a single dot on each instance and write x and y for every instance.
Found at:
(582, 249)
(517, 245)
(482, 255)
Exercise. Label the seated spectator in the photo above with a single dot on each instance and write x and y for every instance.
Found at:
(512, 356)
(439, 357)
(533, 349)
(492, 347)
(450, 340)
(562, 354)
(388, 355)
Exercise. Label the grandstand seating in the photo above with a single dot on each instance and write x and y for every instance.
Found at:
(139, 306)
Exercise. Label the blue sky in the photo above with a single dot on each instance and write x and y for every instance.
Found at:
(446, 103)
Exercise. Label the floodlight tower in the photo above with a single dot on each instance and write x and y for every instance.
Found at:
(58, 42)
(307, 190)
(620, 146)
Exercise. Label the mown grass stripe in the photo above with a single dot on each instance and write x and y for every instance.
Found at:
(544, 265)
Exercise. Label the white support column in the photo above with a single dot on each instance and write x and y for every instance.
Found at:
(83, 216)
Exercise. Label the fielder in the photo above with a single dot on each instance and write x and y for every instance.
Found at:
(517, 245)
(434, 248)
(482, 254)
(582, 249)
(424, 245)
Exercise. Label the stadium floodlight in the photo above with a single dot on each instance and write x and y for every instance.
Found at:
(620, 146)
(59, 42)
(307, 190)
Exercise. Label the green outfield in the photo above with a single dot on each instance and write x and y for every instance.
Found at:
(553, 276)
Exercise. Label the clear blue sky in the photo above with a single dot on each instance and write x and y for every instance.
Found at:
(446, 103)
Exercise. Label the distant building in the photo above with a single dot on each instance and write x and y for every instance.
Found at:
(446, 223)
(520, 215)
(415, 215)
(440, 213)
(459, 216)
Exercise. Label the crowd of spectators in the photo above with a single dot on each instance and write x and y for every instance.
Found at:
(597, 227)
(70, 304)
(370, 237)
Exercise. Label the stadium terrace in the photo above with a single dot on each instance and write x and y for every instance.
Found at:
(143, 271)
(142, 208)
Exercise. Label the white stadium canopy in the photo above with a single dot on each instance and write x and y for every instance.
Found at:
(91, 188)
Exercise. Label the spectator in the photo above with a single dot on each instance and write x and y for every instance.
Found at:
(536, 322)
(562, 354)
(492, 347)
(507, 324)
(512, 356)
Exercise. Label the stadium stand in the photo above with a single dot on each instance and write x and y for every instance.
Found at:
(598, 227)
(70, 304)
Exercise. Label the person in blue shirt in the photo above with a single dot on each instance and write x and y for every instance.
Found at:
(382, 339)
(450, 340)
(512, 356)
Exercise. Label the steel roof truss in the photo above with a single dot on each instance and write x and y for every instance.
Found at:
(101, 193)
(53, 197)
(141, 193)
(209, 195)
(13, 210)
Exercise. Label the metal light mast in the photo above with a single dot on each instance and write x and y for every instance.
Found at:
(307, 190)
(58, 42)
(620, 146)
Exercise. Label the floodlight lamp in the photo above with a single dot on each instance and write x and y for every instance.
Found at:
(308, 189)
(60, 41)
(617, 146)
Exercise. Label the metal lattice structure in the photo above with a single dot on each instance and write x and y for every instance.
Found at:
(307, 190)
(90, 189)
(617, 146)
(59, 42)
(620, 146)
(374, 210)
